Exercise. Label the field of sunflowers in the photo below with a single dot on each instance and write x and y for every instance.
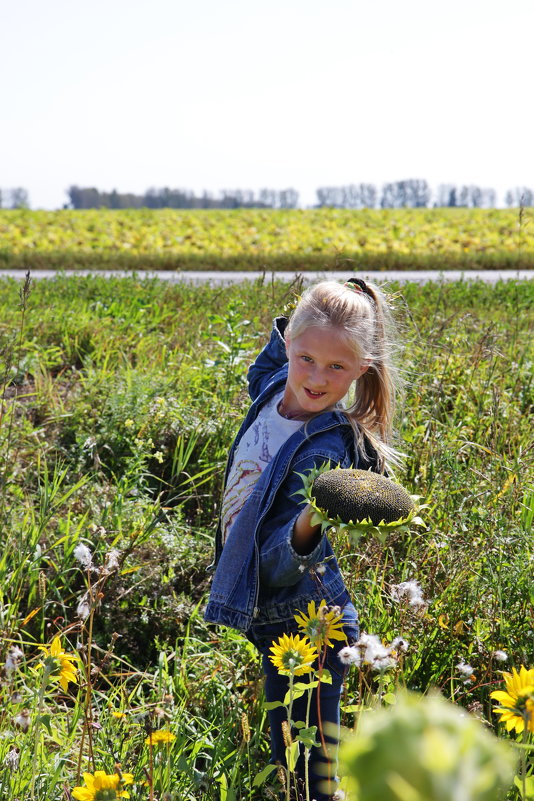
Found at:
(267, 239)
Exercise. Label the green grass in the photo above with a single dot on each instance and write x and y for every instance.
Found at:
(295, 240)
(121, 398)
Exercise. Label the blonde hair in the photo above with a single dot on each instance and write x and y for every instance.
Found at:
(360, 311)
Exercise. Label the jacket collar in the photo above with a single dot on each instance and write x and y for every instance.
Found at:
(318, 422)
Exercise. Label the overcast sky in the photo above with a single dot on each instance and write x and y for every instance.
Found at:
(211, 94)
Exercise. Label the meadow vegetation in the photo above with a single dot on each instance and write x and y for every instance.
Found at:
(120, 399)
(254, 239)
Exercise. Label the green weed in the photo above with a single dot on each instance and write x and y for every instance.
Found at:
(120, 399)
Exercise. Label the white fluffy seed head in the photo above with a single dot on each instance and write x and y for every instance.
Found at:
(409, 591)
(13, 658)
(83, 555)
(464, 668)
(500, 656)
(350, 655)
(400, 645)
(112, 559)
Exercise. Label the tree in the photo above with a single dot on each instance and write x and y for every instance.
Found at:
(327, 196)
(288, 199)
(519, 196)
(413, 193)
(18, 198)
(350, 196)
(368, 196)
(446, 195)
(473, 197)
(88, 198)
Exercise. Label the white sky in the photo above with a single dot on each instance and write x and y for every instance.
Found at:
(224, 94)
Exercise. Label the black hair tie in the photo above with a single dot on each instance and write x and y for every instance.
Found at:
(356, 284)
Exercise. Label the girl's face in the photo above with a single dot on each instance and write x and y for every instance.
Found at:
(322, 367)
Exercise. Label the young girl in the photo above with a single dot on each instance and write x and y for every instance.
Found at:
(270, 560)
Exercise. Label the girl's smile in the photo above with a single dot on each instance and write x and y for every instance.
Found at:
(322, 367)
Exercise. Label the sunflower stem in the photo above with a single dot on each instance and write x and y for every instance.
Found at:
(523, 759)
(307, 751)
(47, 670)
(322, 657)
(151, 771)
(289, 721)
(87, 718)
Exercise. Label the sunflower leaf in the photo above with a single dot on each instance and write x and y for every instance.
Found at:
(272, 704)
(307, 737)
(325, 676)
(263, 775)
(293, 693)
(292, 755)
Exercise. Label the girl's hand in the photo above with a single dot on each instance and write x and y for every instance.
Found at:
(305, 536)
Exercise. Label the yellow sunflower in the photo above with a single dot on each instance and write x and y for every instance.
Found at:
(293, 655)
(321, 626)
(160, 736)
(60, 664)
(102, 786)
(517, 702)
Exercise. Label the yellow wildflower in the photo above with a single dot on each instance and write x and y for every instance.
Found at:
(517, 701)
(102, 786)
(322, 625)
(60, 664)
(160, 736)
(293, 655)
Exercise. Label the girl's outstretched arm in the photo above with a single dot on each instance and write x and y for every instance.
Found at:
(269, 361)
(305, 536)
(289, 544)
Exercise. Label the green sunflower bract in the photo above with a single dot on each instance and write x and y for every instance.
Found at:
(358, 502)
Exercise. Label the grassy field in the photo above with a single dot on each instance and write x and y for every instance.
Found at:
(312, 239)
(120, 398)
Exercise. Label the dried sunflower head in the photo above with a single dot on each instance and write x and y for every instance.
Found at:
(358, 501)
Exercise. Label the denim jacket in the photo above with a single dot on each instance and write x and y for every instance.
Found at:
(259, 577)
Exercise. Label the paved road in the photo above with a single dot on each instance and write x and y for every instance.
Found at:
(199, 277)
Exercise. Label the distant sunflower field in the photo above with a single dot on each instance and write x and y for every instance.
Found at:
(252, 239)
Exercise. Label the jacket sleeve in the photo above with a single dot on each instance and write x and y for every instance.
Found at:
(280, 564)
(269, 361)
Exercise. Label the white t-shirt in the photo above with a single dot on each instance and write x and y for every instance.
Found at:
(257, 447)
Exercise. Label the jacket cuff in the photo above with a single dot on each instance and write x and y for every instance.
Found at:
(308, 559)
(282, 566)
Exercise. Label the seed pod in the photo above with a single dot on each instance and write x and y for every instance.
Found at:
(353, 495)
(286, 734)
(358, 501)
(42, 585)
(245, 727)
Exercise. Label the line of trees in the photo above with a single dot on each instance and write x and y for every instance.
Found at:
(412, 193)
(91, 198)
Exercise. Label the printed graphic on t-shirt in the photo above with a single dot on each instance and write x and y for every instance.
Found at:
(257, 447)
